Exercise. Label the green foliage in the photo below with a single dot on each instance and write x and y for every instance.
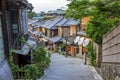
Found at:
(33, 71)
(104, 15)
(10, 61)
(98, 26)
(39, 54)
(41, 58)
(31, 14)
(63, 47)
(63, 53)
(91, 54)
(22, 40)
(36, 69)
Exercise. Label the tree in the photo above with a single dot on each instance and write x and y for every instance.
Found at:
(31, 14)
(104, 15)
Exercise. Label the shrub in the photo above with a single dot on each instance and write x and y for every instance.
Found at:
(63, 53)
(63, 47)
(92, 54)
(32, 71)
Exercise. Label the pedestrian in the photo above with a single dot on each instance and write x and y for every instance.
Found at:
(59, 49)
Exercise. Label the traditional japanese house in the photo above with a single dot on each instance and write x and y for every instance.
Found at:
(49, 27)
(67, 29)
(35, 29)
(5, 72)
(30, 23)
(13, 25)
(54, 42)
(19, 26)
(54, 13)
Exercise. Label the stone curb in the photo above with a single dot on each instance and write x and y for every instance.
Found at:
(95, 74)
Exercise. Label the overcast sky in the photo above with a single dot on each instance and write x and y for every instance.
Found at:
(45, 5)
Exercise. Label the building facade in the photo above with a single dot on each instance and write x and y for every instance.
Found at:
(13, 25)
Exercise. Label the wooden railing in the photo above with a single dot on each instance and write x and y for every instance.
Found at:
(21, 75)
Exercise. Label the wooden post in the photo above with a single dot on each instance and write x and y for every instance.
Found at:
(4, 27)
(66, 47)
(85, 55)
(85, 58)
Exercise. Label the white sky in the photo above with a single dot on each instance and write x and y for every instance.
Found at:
(46, 5)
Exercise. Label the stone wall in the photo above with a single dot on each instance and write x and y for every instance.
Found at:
(110, 67)
(109, 71)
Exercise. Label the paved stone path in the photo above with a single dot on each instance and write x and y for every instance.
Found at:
(62, 68)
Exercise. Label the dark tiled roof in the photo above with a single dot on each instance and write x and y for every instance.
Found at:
(54, 22)
(31, 21)
(51, 24)
(62, 22)
(70, 22)
(55, 39)
(67, 22)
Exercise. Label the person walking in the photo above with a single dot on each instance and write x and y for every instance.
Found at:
(59, 49)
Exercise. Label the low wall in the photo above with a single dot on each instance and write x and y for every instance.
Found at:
(110, 67)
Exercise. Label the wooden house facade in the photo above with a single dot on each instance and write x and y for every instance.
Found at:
(84, 22)
(5, 71)
(13, 25)
(67, 29)
(59, 28)
(49, 27)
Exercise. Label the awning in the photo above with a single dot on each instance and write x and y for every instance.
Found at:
(55, 39)
(68, 42)
(81, 33)
(26, 47)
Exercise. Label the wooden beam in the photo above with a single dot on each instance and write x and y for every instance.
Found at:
(4, 27)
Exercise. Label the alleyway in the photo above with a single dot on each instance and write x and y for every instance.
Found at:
(62, 68)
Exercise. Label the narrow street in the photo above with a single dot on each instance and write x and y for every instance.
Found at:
(62, 68)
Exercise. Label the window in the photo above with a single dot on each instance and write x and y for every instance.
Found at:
(1, 43)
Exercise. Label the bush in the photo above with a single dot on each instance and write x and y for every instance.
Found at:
(41, 58)
(63, 47)
(92, 54)
(63, 53)
(32, 71)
